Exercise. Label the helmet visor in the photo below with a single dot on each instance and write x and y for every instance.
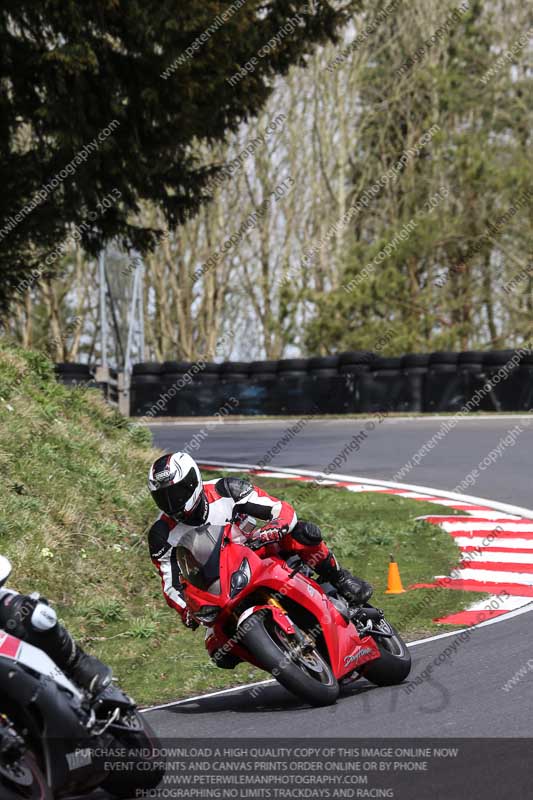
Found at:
(173, 499)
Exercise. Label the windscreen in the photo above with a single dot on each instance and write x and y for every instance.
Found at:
(198, 557)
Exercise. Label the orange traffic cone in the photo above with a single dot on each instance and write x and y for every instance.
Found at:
(394, 582)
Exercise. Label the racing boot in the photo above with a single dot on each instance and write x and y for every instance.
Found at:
(86, 670)
(354, 590)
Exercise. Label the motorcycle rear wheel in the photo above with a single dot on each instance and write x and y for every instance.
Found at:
(395, 663)
(307, 675)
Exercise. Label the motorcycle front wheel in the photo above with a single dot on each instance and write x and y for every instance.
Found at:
(145, 769)
(23, 780)
(304, 672)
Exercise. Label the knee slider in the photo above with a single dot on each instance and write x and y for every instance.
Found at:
(43, 618)
(307, 533)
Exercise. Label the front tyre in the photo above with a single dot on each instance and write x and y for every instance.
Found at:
(395, 663)
(305, 673)
(145, 769)
(23, 780)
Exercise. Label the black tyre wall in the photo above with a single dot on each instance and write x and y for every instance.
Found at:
(355, 381)
(383, 387)
(74, 374)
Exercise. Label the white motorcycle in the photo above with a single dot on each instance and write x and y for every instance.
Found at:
(77, 741)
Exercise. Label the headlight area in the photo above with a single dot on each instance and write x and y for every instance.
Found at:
(207, 614)
(240, 578)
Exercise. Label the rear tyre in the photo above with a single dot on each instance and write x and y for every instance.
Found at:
(395, 663)
(145, 770)
(307, 675)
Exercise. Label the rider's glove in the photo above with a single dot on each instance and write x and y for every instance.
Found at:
(189, 621)
(267, 535)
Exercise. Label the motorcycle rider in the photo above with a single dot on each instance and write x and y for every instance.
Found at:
(31, 619)
(186, 501)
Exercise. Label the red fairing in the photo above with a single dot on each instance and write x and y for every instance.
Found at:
(269, 576)
(9, 645)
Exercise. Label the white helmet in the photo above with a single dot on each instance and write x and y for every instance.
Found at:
(5, 570)
(176, 486)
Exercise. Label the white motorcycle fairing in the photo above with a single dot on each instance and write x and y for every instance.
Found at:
(24, 653)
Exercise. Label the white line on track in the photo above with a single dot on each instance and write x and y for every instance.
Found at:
(423, 490)
(408, 487)
(336, 420)
(233, 689)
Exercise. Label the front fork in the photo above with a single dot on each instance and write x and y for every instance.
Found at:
(305, 642)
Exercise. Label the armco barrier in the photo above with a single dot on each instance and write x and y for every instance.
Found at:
(352, 382)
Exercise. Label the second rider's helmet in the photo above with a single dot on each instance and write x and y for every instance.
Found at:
(176, 485)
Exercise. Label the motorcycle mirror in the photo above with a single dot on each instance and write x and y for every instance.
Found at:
(5, 569)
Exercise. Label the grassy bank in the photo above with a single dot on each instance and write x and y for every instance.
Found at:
(74, 514)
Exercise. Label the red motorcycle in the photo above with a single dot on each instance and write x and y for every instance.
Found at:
(274, 615)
